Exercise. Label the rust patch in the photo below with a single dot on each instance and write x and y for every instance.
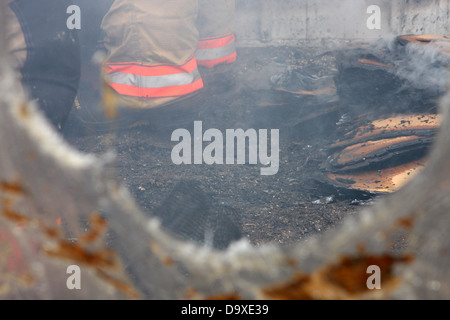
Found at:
(101, 260)
(351, 275)
(52, 233)
(119, 285)
(104, 258)
(12, 187)
(361, 248)
(225, 296)
(168, 261)
(406, 223)
(298, 288)
(98, 226)
(164, 258)
(12, 190)
(345, 280)
(15, 217)
(191, 293)
(7, 202)
(291, 262)
(24, 112)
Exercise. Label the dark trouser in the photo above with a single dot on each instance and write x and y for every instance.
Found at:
(51, 71)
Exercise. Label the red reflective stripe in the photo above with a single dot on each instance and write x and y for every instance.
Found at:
(216, 42)
(152, 93)
(212, 63)
(151, 70)
(155, 70)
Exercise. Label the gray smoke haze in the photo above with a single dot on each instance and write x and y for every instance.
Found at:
(425, 67)
(157, 265)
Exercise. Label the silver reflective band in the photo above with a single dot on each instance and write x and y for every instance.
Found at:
(216, 53)
(169, 80)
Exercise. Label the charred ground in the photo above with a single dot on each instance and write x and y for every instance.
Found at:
(283, 208)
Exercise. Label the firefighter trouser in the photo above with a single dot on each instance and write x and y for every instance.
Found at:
(45, 53)
(154, 47)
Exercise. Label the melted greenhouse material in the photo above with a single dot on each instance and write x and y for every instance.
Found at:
(392, 118)
(383, 156)
(392, 127)
(385, 180)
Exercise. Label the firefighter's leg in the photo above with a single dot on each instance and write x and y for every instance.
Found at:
(151, 45)
(215, 23)
(51, 71)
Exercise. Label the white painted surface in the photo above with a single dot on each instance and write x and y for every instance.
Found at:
(292, 22)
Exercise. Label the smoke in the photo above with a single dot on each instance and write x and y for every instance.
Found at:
(424, 67)
(156, 262)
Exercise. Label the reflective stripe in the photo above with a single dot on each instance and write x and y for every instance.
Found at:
(176, 79)
(154, 81)
(152, 69)
(215, 42)
(213, 51)
(157, 93)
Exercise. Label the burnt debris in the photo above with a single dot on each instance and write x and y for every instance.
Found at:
(403, 75)
(386, 95)
(393, 106)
